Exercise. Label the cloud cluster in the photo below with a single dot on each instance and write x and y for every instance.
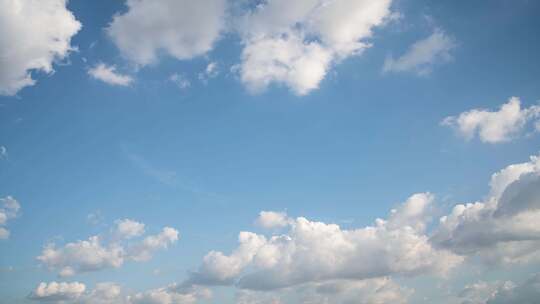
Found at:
(423, 54)
(112, 293)
(182, 29)
(93, 255)
(502, 292)
(502, 228)
(495, 126)
(284, 42)
(109, 75)
(317, 252)
(294, 43)
(9, 208)
(33, 35)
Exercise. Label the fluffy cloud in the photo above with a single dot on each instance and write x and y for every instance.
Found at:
(271, 219)
(127, 229)
(423, 54)
(109, 75)
(494, 126)
(180, 28)
(93, 255)
(294, 43)
(502, 228)
(318, 252)
(82, 256)
(143, 250)
(9, 208)
(57, 292)
(33, 35)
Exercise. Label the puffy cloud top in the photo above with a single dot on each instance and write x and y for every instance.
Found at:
(494, 126)
(33, 35)
(180, 28)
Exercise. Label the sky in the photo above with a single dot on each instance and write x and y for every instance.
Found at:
(269, 151)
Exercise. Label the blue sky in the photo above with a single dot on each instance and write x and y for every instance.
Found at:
(198, 116)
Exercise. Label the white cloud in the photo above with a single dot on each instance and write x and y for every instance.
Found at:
(271, 219)
(318, 252)
(501, 229)
(33, 35)
(423, 54)
(127, 229)
(294, 43)
(9, 208)
(109, 75)
(143, 250)
(172, 294)
(94, 254)
(180, 28)
(494, 126)
(82, 256)
(57, 292)
(77, 293)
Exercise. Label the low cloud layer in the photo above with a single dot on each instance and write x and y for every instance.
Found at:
(313, 251)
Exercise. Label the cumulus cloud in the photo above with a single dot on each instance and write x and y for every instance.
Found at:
(318, 252)
(9, 208)
(182, 29)
(423, 54)
(109, 75)
(143, 250)
(502, 228)
(57, 292)
(94, 254)
(271, 219)
(494, 126)
(127, 229)
(33, 35)
(294, 43)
